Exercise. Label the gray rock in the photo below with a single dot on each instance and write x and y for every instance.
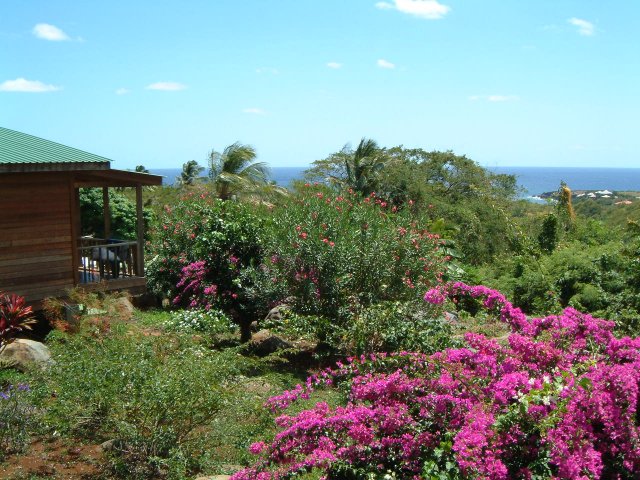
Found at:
(265, 343)
(108, 445)
(24, 354)
(276, 314)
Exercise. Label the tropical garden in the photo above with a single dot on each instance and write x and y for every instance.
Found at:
(396, 314)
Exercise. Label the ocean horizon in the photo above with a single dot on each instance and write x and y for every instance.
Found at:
(533, 180)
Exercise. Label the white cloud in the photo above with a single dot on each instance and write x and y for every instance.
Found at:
(427, 9)
(254, 111)
(334, 65)
(382, 63)
(49, 32)
(494, 98)
(166, 86)
(584, 27)
(24, 85)
(502, 98)
(122, 91)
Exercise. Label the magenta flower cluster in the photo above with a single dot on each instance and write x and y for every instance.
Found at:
(559, 400)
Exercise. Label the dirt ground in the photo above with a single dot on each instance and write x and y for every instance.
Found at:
(55, 459)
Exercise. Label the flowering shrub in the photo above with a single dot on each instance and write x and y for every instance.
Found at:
(15, 316)
(16, 418)
(199, 250)
(338, 252)
(559, 401)
(199, 321)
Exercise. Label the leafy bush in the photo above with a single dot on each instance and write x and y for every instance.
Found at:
(396, 327)
(382, 327)
(17, 416)
(336, 254)
(156, 398)
(200, 249)
(559, 401)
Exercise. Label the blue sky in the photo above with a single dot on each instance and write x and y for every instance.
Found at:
(158, 83)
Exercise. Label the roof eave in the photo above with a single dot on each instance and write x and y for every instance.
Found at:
(52, 167)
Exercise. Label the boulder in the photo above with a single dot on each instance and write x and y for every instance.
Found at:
(276, 314)
(265, 343)
(24, 354)
(124, 308)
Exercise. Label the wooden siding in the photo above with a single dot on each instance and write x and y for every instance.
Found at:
(36, 242)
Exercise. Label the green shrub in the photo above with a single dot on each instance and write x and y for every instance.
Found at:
(338, 253)
(17, 418)
(398, 326)
(382, 327)
(156, 398)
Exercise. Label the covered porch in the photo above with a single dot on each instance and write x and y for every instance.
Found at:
(108, 262)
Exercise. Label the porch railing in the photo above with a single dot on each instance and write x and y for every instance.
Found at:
(107, 259)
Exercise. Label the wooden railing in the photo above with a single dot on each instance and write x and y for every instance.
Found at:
(102, 259)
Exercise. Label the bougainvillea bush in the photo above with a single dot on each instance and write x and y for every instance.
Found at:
(337, 252)
(204, 252)
(559, 400)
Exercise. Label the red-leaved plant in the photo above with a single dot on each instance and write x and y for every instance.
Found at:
(15, 316)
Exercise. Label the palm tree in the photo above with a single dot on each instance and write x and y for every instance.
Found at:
(363, 165)
(235, 170)
(190, 173)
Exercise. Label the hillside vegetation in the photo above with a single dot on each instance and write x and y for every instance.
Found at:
(428, 324)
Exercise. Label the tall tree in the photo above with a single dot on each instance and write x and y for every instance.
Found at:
(358, 169)
(235, 170)
(363, 165)
(190, 173)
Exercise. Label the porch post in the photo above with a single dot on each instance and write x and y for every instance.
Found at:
(76, 228)
(140, 239)
(106, 212)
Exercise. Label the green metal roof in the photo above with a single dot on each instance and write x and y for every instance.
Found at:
(22, 151)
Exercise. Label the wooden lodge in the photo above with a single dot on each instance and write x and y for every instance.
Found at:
(42, 251)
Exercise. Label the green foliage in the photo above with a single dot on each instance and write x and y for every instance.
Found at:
(548, 236)
(190, 174)
(123, 214)
(235, 171)
(153, 397)
(441, 185)
(17, 418)
(383, 327)
(601, 279)
(336, 254)
(201, 227)
(396, 327)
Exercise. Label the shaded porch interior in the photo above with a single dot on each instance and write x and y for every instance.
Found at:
(104, 259)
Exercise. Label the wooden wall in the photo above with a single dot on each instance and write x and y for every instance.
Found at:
(36, 234)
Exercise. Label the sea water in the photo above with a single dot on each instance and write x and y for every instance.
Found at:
(533, 180)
